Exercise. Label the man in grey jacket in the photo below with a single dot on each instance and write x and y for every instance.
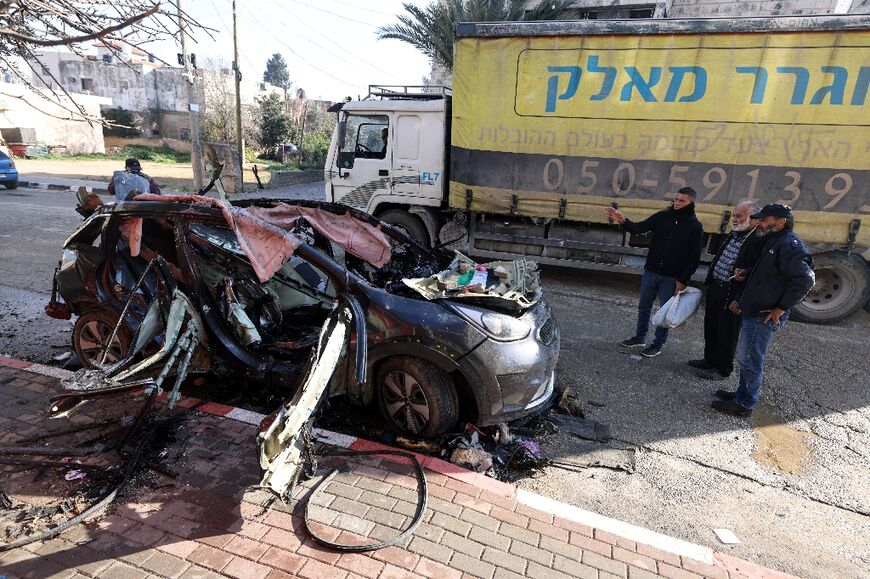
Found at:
(779, 279)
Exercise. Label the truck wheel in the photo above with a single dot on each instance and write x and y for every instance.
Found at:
(842, 287)
(91, 334)
(409, 224)
(416, 397)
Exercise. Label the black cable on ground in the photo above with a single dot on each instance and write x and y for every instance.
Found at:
(422, 494)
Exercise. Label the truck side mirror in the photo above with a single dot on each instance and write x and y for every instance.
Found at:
(342, 133)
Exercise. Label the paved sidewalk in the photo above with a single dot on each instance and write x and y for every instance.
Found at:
(209, 521)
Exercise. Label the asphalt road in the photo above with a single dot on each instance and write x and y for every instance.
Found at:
(792, 482)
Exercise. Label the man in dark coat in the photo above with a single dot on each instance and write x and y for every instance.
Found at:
(674, 254)
(780, 278)
(724, 281)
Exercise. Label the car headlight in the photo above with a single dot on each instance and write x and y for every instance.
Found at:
(68, 258)
(497, 326)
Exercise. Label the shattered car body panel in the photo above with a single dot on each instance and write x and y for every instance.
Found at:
(283, 442)
(473, 357)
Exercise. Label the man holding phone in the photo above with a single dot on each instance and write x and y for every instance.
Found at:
(674, 254)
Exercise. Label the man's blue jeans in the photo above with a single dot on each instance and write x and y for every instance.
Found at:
(755, 336)
(653, 285)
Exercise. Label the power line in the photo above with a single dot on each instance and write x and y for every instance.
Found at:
(227, 30)
(338, 46)
(364, 8)
(297, 55)
(342, 16)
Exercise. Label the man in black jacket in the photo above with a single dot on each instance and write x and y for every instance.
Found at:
(724, 281)
(674, 254)
(779, 279)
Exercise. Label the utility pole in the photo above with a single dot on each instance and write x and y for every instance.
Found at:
(239, 142)
(193, 106)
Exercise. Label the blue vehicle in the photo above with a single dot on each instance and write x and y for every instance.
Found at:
(8, 172)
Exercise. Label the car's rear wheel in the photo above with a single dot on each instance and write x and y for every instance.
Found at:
(416, 397)
(93, 331)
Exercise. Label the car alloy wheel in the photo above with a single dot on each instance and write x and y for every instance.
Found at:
(416, 397)
(91, 335)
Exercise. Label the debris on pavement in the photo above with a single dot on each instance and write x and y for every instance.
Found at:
(726, 536)
(570, 403)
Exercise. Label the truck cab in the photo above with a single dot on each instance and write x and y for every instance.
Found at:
(387, 156)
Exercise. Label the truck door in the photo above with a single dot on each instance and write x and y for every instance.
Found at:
(364, 162)
(407, 155)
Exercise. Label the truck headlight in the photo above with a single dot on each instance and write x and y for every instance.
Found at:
(497, 326)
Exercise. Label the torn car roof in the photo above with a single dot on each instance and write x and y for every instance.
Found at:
(263, 232)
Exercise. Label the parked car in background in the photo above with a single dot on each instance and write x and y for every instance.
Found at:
(426, 363)
(8, 172)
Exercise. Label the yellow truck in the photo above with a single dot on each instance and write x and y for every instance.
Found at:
(549, 122)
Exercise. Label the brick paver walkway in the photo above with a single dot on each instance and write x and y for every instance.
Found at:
(209, 521)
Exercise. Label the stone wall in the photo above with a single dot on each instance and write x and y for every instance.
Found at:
(287, 178)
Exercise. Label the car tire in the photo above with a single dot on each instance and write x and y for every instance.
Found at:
(11, 184)
(92, 331)
(409, 224)
(416, 397)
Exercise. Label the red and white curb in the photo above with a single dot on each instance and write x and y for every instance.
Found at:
(563, 510)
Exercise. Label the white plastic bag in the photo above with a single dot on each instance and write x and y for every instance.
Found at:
(677, 310)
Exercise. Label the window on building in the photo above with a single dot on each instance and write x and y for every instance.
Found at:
(641, 12)
(123, 85)
(71, 80)
(87, 84)
(588, 15)
(184, 134)
(107, 58)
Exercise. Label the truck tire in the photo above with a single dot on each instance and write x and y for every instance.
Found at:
(842, 287)
(416, 397)
(409, 224)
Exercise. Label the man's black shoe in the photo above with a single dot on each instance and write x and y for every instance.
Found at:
(710, 375)
(725, 394)
(730, 407)
(651, 351)
(633, 343)
(700, 364)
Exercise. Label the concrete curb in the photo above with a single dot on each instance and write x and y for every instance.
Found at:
(703, 555)
(55, 187)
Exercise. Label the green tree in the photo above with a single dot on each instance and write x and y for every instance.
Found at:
(277, 73)
(430, 30)
(275, 126)
(119, 123)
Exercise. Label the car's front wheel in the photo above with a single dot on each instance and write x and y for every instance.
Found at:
(11, 184)
(416, 397)
(93, 332)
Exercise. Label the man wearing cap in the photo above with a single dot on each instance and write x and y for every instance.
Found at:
(133, 166)
(779, 279)
(724, 281)
(673, 257)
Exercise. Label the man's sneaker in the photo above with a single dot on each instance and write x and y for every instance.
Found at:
(725, 394)
(710, 375)
(700, 364)
(633, 343)
(730, 407)
(651, 351)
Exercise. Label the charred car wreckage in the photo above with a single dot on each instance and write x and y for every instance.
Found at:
(314, 298)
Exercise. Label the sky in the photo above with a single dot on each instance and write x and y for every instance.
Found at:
(330, 46)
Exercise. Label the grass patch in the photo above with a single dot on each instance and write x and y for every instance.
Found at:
(142, 152)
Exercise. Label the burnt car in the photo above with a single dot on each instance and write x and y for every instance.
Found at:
(249, 287)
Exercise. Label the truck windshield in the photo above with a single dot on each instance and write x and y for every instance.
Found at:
(367, 136)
